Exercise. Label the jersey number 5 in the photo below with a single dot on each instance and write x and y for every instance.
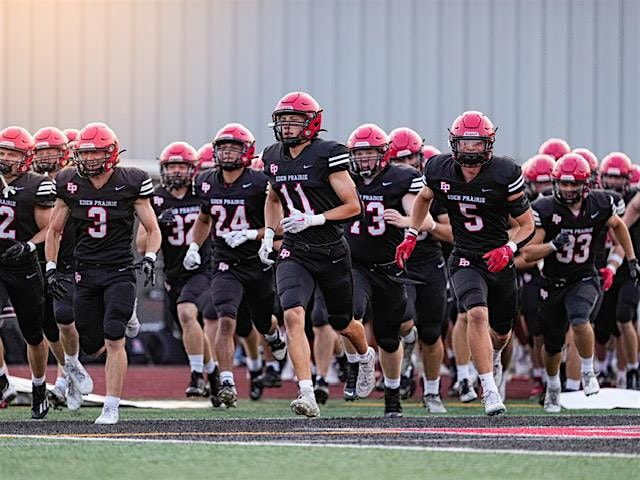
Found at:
(475, 224)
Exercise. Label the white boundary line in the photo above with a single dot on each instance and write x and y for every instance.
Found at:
(329, 445)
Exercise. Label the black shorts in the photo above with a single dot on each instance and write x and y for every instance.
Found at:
(103, 303)
(564, 305)
(529, 295)
(318, 313)
(63, 308)
(248, 284)
(388, 302)
(475, 286)
(24, 286)
(427, 304)
(193, 289)
(300, 267)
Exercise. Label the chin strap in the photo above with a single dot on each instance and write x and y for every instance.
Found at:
(6, 188)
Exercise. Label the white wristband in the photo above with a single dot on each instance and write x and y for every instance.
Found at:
(194, 247)
(269, 233)
(51, 265)
(615, 258)
(151, 255)
(552, 246)
(319, 219)
(511, 244)
(31, 245)
(411, 231)
(252, 234)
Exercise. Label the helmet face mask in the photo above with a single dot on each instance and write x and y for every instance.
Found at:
(571, 179)
(297, 118)
(50, 159)
(176, 175)
(471, 151)
(12, 162)
(288, 127)
(95, 150)
(368, 161)
(228, 155)
(414, 160)
(618, 183)
(93, 162)
(568, 192)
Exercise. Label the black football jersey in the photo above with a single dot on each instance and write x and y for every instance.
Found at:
(17, 201)
(303, 183)
(478, 209)
(634, 232)
(235, 206)
(586, 231)
(603, 244)
(103, 218)
(371, 239)
(427, 249)
(177, 236)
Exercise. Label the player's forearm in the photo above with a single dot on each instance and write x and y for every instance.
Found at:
(442, 232)
(344, 212)
(154, 240)
(533, 253)
(141, 239)
(419, 211)
(272, 213)
(522, 264)
(201, 230)
(525, 230)
(631, 214)
(622, 234)
(52, 244)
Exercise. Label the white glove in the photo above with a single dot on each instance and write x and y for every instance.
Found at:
(267, 247)
(192, 257)
(236, 238)
(298, 221)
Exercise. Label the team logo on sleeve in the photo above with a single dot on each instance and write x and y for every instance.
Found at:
(158, 201)
(205, 187)
(464, 262)
(556, 219)
(445, 187)
(273, 168)
(72, 187)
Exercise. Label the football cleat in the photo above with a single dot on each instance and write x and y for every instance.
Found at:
(321, 391)
(392, 406)
(590, 383)
(366, 381)
(305, 404)
(433, 403)
(493, 403)
(39, 402)
(270, 378)
(552, 400)
(350, 385)
(228, 394)
(196, 387)
(255, 388)
(77, 374)
(467, 392)
(109, 416)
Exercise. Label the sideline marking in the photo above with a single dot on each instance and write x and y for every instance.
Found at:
(334, 445)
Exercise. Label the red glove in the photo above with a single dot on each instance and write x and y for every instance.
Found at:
(607, 275)
(498, 258)
(405, 249)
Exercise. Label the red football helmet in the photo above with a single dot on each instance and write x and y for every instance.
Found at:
(570, 177)
(240, 149)
(363, 141)
(556, 147)
(405, 145)
(178, 153)
(16, 151)
(470, 131)
(615, 172)
(205, 157)
(96, 150)
(429, 151)
(71, 134)
(537, 173)
(300, 103)
(51, 150)
(634, 176)
(592, 160)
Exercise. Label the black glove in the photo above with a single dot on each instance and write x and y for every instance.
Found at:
(634, 270)
(17, 252)
(167, 217)
(56, 284)
(148, 268)
(561, 240)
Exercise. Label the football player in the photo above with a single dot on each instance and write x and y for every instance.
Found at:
(103, 200)
(480, 191)
(177, 207)
(568, 225)
(233, 196)
(26, 199)
(310, 196)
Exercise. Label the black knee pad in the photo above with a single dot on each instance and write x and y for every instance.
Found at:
(91, 342)
(50, 327)
(553, 344)
(34, 337)
(339, 322)
(429, 334)
(389, 345)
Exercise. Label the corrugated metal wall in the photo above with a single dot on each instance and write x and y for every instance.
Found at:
(159, 71)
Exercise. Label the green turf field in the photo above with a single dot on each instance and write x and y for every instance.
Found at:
(110, 458)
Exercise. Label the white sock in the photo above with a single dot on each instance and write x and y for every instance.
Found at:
(305, 385)
(463, 371)
(37, 381)
(3, 370)
(70, 358)
(61, 383)
(487, 382)
(391, 383)
(587, 364)
(196, 362)
(432, 387)
(632, 366)
(352, 357)
(553, 381)
(365, 357)
(226, 377)
(571, 384)
(210, 366)
(274, 364)
(254, 364)
(409, 337)
(113, 402)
